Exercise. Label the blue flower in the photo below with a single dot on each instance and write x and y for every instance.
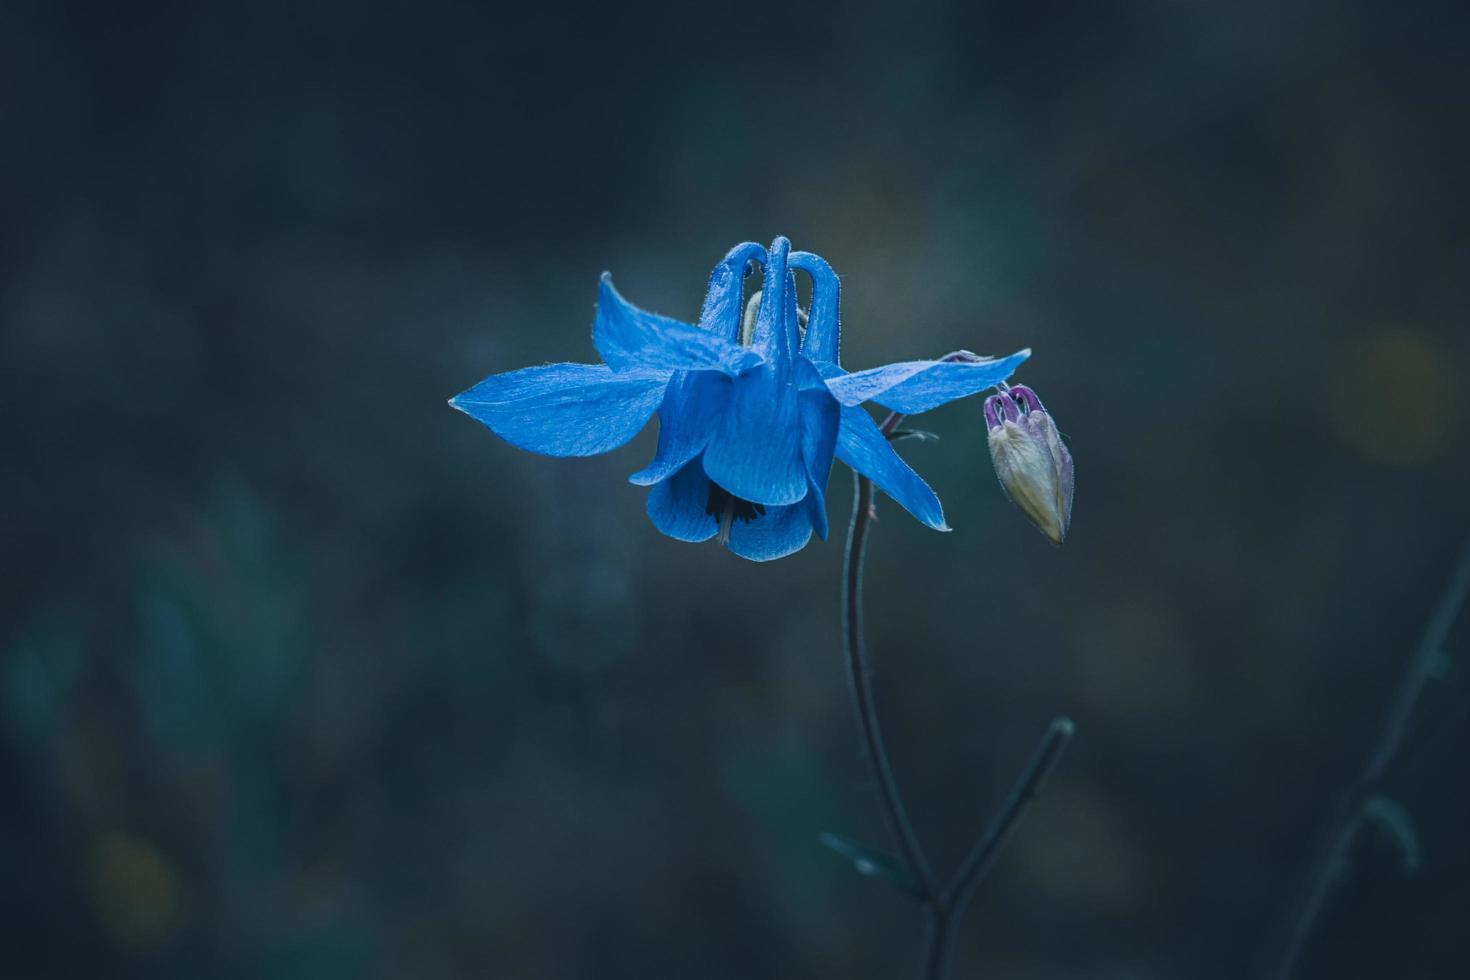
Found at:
(751, 412)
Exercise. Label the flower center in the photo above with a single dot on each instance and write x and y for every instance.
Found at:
(726, 508)
(752, 307)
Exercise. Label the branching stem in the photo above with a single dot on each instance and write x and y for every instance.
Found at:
(1348, 816)
(942, 902)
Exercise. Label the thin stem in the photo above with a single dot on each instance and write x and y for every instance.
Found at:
(936, 945)
(1422, 670)
(1347, 817)
(860, 683)
(982, 857)
(1023, 794)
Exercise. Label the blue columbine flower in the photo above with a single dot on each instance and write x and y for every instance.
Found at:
(749, 420)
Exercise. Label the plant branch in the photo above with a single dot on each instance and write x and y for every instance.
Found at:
(1023, 794)
(1351, 810)
(982, 857)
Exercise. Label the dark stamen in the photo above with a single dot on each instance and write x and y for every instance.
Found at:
(720, 503)
(747, 511)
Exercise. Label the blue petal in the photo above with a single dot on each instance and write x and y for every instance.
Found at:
(817, 380)
(631, 339)
(917, 386)
(775, 534)
(723, 308)
(565, 409)
(823, 327)
(820, 419)
(687, 420)
(679, 506)
(775, 334)
(756, 452)
(864, 447)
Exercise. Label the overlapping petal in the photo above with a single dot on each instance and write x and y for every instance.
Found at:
(687, 419)
(631, 339)
(864, 447)
(820, 419)
(565, 409)
(918, 386)
(755, 453)
(679, 505)
(778, 532)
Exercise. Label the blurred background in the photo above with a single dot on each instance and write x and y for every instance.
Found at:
(303, 674)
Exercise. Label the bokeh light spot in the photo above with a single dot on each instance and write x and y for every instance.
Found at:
(1391, 397)
(136, 891)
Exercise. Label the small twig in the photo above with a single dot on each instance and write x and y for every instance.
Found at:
(982, 857)
(1349, 814)
(1023, 794)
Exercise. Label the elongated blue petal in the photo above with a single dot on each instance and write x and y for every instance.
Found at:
(864, 447)
(755, 454)
(687, 420)
(775, 333)
(822, 341)
(917, 386)
(722, 300)
(679, 505)
(820, 419)
(632, 339)
(565, 409)
(775, 534)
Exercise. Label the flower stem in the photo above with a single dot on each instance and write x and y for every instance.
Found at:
(1351, 811)
(1023, 794)
(943, 903)
(860, 684)
(951, 902)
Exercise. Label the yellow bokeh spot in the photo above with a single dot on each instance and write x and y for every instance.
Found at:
(1391, 397)
(137, 893)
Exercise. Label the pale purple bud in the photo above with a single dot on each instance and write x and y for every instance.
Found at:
(1031, 460)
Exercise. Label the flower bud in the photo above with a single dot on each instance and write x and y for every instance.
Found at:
(1033, 464)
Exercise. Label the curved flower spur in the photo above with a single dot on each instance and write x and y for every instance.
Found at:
(749, 421)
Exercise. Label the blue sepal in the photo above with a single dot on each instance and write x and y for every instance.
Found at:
(632, 339)
(864, 447)
(917, 386)
(565, 409)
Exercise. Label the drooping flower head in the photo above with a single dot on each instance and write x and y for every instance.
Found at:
(749, 422)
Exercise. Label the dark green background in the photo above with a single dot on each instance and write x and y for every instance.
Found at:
(303, 674)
